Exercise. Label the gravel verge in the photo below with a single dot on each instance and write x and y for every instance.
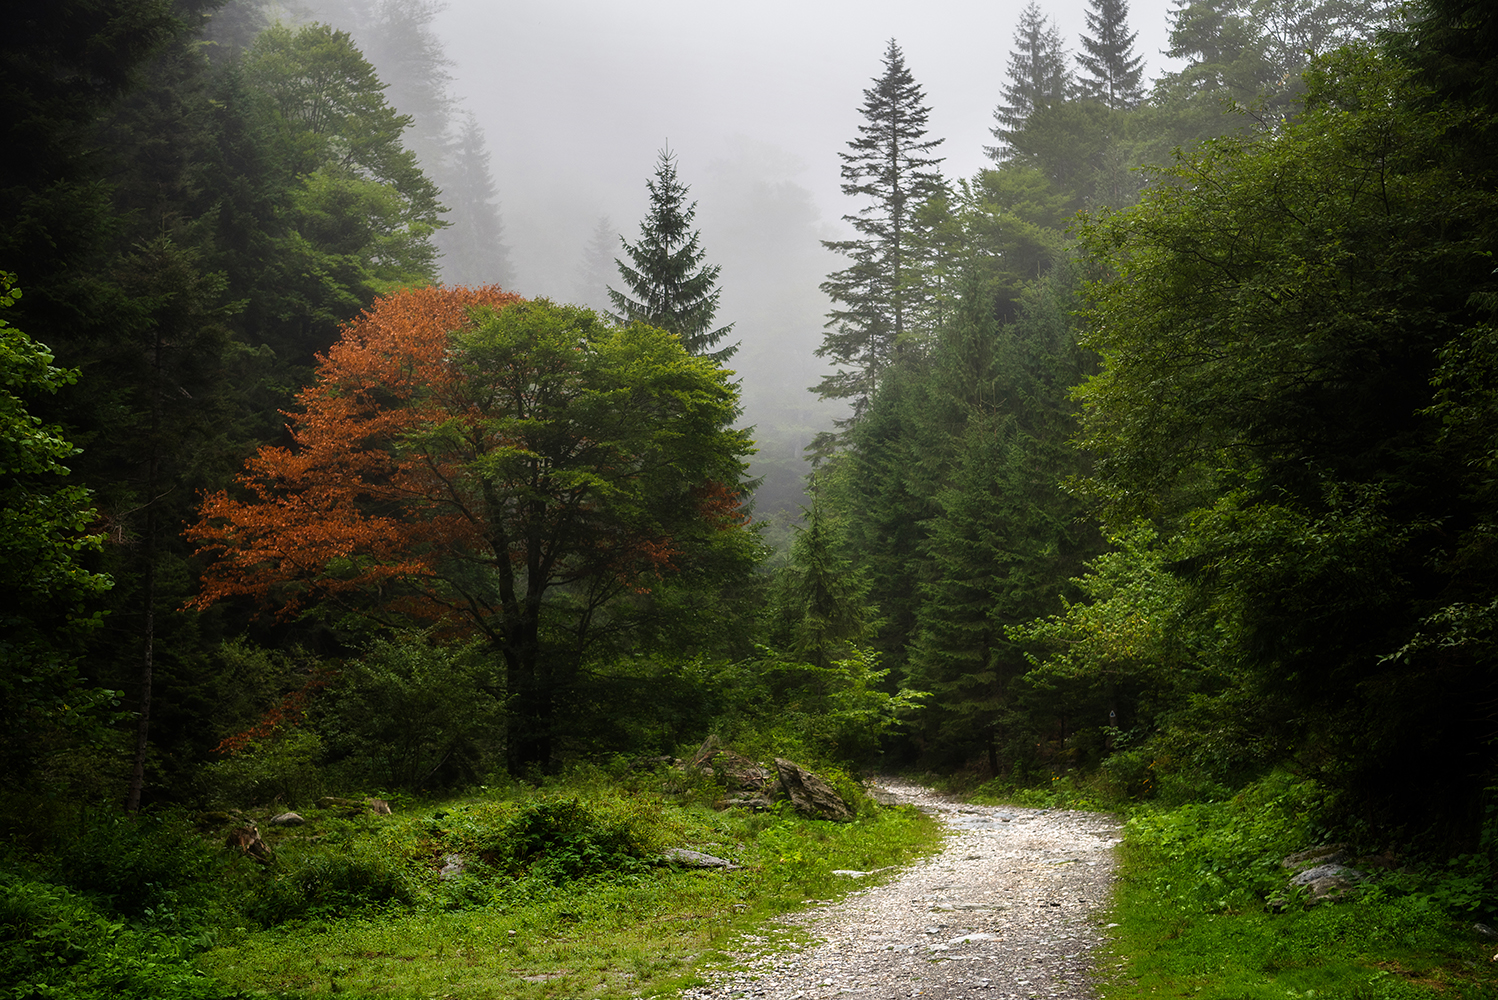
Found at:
(1008, 909)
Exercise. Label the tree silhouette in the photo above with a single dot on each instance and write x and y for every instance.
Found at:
(672, 289)
(889, 163)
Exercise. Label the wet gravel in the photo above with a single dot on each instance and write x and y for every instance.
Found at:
(1008, 909)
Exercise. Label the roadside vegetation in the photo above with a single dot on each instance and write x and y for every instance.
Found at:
(1204, 906)
(552, 890)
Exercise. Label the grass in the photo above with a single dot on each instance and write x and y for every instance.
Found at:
(562, 896)
(1193, 916)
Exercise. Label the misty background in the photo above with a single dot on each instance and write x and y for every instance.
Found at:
(575, 100)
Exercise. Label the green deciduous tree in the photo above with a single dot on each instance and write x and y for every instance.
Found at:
(363, 214)
(528, 479)
(46, 584)
(672, 289)
(1272, 348)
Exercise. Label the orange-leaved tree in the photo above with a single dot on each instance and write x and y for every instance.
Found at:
(508, 468)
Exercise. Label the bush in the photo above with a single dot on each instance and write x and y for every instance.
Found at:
(281, 768)
(152, 867)
(334, 879)
(412, 714)
(54, 943)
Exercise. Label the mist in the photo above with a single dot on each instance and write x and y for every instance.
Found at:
(578, 98)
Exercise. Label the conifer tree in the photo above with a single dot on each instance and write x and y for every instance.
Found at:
(473, 248)
(891, 164)
(1111, 72)
(596, 266)
(825, 599)
(1038, 76)
(673, 291)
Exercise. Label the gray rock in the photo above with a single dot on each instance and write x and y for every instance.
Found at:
(696, 859)
(286, 819)
(1329, 881)
(246, 840)
(731, 769)
(453, 866)
(811, 796)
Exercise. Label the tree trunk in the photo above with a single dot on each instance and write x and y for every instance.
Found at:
(148, 625)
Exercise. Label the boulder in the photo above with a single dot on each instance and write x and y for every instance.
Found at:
(1329, 881)
(811, 796)
(732, 770)
(696, 859)
(453, 865)
(287, 819)
(1325, 854)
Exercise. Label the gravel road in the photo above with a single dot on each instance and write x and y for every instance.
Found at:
(1008, 909)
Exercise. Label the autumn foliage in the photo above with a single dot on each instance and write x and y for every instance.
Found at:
(516, 470)
(346, 509)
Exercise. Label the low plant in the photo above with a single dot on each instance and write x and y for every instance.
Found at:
(1203, 908)
(559, 891)
(57, 943)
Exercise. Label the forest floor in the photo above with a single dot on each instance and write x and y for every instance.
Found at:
(1010, 908)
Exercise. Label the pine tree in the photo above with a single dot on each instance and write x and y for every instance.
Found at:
(1038, 76)
(889, 163)
(823, 599)
(673, 290)
(473, 248)
(1111, 72)
(596, 266)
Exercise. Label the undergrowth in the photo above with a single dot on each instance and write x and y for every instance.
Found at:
(523, 892)
(1203, 909)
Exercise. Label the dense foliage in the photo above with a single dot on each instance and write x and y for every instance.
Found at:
(1168, 470)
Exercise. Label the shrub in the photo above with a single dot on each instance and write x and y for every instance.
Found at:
(333, 879)
(148, 866)
(412, 714)
(54, 943)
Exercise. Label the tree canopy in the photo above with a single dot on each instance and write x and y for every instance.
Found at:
(515, 470)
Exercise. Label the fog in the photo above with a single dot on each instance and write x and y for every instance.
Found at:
(577, 97)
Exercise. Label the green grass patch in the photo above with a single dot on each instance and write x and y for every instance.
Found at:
(1192, 908)
(562, 895)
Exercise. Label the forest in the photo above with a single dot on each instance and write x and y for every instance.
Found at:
(1168, 470)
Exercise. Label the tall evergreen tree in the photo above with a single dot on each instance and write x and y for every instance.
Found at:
(1038, 76)
(672, 289)
(473, 247)
(1111, 72)
(891, 164)
(597, 266)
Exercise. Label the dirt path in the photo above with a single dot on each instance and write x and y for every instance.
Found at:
(1006, 910)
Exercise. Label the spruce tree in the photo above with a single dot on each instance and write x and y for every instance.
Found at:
(672, 289)
(1038, 77)
(1111, 72)
(473, 249)
(596, 266)
(891, 164)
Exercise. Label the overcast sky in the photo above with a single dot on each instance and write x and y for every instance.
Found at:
(576, 96)
(756, 99)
